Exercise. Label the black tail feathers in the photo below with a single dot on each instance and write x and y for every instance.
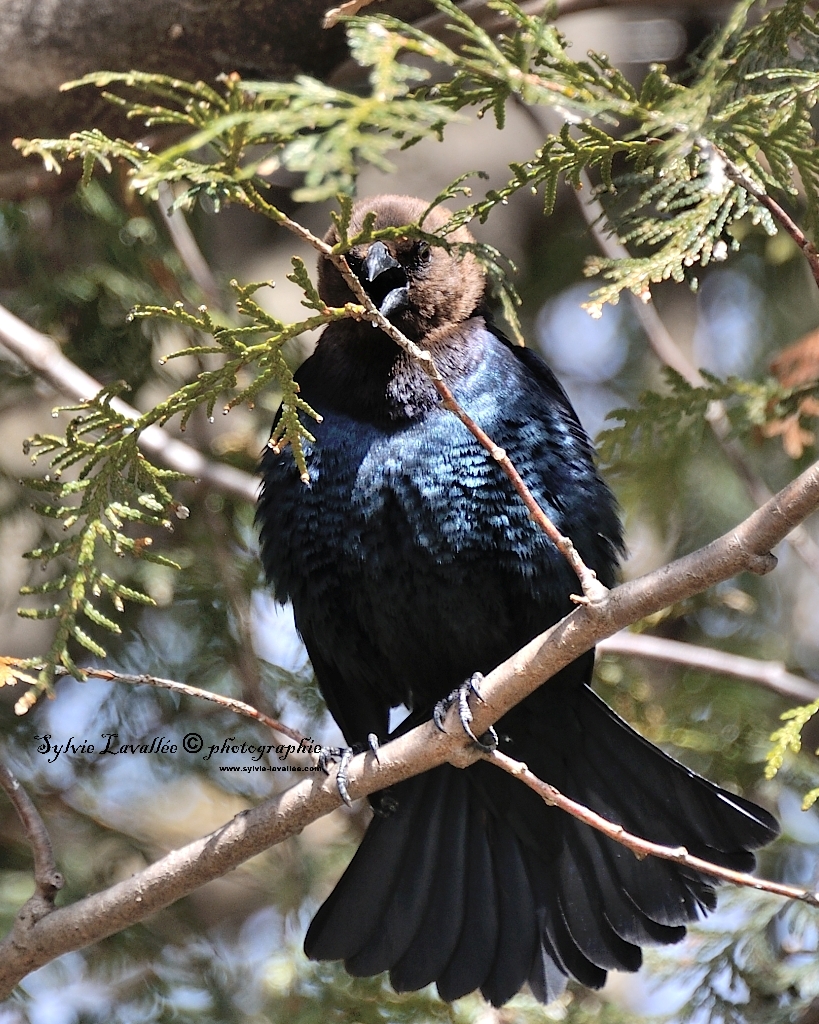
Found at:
(474, 882)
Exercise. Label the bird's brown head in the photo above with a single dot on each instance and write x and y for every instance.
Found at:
(417, 286)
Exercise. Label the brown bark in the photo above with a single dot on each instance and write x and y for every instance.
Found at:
(46, 42)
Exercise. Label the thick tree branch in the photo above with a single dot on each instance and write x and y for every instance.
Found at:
(642, 847)
(771, 674)
(42, 356)
(747, 547)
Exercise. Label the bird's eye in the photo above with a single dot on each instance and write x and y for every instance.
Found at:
(423, 251)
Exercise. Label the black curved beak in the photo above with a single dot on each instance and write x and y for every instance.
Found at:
(384, 280)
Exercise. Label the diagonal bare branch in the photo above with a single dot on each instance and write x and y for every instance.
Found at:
(230, 703)
(42, 356)
(642, 847)
(746, 547)
(772, 674)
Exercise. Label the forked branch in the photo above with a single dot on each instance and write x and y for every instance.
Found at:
(47, 879)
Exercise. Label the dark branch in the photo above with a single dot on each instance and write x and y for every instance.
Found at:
(47, 879)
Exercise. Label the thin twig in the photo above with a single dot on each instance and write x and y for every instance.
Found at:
(593, 589)
(643, 847)
(47, 879)
(230, 703)
(42, 356)
(187, 248)
(739, 177)
(334, 15)
(772, 674)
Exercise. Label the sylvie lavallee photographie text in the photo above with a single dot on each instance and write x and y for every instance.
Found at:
(192, 743)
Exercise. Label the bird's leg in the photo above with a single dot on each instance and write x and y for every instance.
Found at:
(344, 755)
(489, 740)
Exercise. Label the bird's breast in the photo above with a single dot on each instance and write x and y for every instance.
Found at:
(409, 558)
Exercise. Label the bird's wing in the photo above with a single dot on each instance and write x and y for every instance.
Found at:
(541, 373)
(357, 711)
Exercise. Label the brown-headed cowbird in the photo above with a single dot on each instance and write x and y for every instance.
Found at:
(412, 564)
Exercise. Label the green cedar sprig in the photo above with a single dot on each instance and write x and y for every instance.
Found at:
(788, 738)
(748, 103)
(115, 486)
(662, 422)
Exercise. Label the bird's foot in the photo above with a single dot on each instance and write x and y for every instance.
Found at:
(489, 740)
(344, 755)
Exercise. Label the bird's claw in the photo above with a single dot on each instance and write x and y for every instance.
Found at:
(343, 755)
(489, 741)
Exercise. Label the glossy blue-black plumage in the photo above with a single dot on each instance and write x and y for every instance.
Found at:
(411, 564)
(410, 561)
